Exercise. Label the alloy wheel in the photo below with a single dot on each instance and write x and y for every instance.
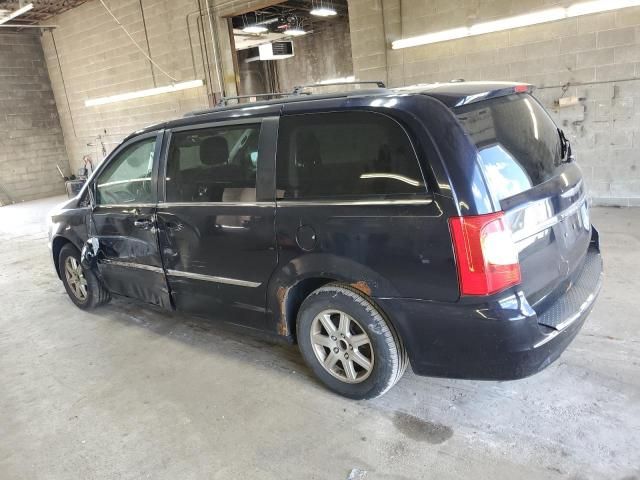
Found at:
(75, 278)
(342, 346)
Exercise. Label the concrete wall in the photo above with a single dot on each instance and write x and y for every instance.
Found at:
(30, 135)
(595, 57)
(95, 58)
(251, 75)
(89, 56)
(321, 55)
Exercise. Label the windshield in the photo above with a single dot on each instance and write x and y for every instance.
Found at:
(518, 144)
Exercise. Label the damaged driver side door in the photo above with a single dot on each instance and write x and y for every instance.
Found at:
(124, 222)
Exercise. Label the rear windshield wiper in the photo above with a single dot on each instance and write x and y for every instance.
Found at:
(566, 154)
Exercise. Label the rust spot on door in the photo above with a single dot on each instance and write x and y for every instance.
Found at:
(362, 286)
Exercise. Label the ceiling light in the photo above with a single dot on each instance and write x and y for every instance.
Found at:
(323, 12)
(143, 93)
(295, 31)
(535, 18)
(255, 29)
(16, 13)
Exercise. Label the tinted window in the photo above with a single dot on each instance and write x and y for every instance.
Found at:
(213, 165)
(518, 144)
(357, 154)
(127, 178)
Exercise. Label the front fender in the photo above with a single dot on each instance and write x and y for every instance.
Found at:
(67, 226)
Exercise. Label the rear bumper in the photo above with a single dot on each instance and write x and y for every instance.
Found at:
(501, 338)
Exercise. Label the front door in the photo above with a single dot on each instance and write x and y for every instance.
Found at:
(124, 222)
(216, 225)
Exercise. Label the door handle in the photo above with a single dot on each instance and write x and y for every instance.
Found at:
(143, 223)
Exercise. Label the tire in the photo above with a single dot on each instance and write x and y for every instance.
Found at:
(95, 294)
(339, 357)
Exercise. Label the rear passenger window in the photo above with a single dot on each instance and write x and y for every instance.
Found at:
(213, 164)
(347, 154)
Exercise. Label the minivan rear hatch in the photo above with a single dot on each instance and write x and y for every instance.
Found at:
(529, 171)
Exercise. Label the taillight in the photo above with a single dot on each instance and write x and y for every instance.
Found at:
(486, 256)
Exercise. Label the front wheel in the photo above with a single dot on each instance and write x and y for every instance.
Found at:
(82, 285)
(348, 343)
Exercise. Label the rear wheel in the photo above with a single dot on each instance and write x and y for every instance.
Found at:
(347, 342)
(82, 285)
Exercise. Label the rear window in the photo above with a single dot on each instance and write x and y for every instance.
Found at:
(345, 154)
(518, 144)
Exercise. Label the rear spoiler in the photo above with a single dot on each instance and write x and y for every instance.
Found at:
(459, 93)
(495, 93)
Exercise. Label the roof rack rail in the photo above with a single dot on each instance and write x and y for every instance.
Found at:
(223, 101)
(297, 90)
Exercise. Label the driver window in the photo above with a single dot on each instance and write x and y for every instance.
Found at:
(127, 179)
(213, 164)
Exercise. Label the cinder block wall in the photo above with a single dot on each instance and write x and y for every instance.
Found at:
(31, 141)
(594, 57)
(323, 55)
(320, 56)
(89, 56)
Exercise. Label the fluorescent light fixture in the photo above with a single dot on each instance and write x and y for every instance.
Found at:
(295, 32)
(255, 29)
(508, 23)
(534, 18)
(597, 6)
(435, 37)
(323, 12)
(17, 13)
(175, 87)
(329, 81)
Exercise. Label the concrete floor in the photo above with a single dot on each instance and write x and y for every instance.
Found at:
(130, 392)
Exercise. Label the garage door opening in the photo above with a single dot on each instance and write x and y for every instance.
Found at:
(292, 43)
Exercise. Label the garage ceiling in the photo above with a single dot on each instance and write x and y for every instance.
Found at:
(41, 11)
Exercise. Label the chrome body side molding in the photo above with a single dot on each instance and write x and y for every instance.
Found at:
(211, 278)
(344, 203)
(140, 266)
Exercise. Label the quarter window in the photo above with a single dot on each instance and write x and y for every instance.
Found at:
(213, 165)
(127, 179)
(347, 154)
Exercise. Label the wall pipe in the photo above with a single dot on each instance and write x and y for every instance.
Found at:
(193, 57)
(64, 85)
(146, 37)
(214, 49)
(205, 58)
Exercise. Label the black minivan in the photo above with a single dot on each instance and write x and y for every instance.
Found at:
(443, 225)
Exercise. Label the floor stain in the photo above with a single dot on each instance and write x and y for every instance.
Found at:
(421, 430)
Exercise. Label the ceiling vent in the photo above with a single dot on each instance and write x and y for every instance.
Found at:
(271, 51)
